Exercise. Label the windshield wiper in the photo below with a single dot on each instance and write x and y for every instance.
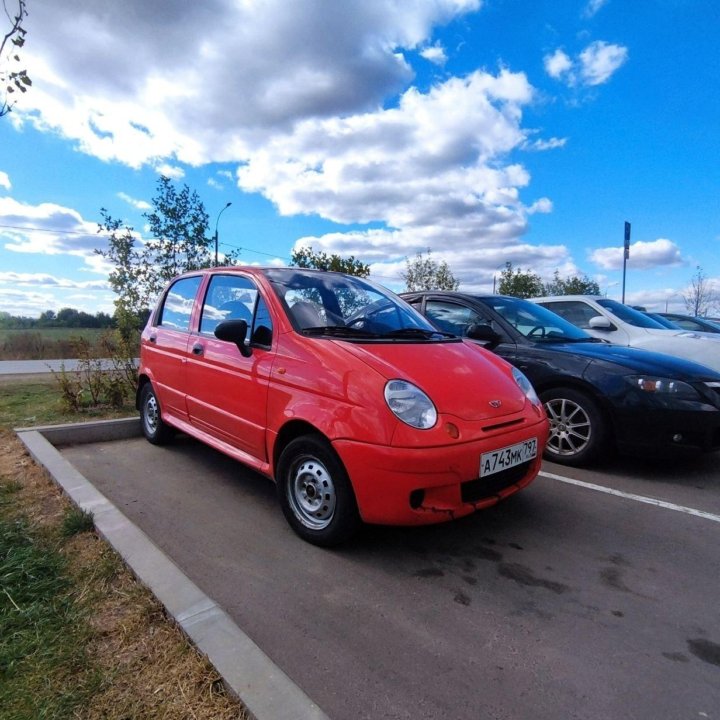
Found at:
(338, 331)
(413, 332)
(571, 340)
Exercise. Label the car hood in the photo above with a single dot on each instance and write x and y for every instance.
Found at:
(699, 350)
(460, 378)
(638, 360)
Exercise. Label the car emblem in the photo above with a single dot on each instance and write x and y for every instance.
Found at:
(495, 403)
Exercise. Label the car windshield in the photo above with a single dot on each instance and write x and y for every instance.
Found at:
(665, 322)
(347, 307)
(629, 315)
(534, 321)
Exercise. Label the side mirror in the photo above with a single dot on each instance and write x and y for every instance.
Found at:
(234, 331)
(601, 323)
(483, 333)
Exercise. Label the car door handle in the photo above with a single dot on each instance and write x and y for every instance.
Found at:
(153, 338)
(197, 349)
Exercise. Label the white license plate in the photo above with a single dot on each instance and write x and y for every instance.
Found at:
(507, 457)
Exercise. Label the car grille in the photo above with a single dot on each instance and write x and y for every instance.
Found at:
(481, 488)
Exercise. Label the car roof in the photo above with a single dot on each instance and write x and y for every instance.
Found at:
(567, 297)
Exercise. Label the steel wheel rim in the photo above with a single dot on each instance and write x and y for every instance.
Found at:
(311, 493)
(151, 415)
(570, 427)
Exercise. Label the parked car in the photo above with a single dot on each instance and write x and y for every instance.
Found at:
(350, 400)
(688, 322)
(666, 322)
(610, 320)
(598, 396)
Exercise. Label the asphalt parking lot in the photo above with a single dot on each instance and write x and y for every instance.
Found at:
(564, 602)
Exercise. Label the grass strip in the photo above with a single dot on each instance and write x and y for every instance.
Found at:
(45, 671)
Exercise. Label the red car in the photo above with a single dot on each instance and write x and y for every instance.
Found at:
(358, 408)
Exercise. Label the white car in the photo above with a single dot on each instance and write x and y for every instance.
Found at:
(622, 325)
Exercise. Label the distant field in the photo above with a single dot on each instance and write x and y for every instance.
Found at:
(45, 343)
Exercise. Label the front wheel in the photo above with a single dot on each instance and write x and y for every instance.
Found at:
(578, 431)
(153, 427)
(315, 493)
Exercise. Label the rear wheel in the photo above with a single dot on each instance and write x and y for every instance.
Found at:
(315, 492)
(578, 431)
(153, 427)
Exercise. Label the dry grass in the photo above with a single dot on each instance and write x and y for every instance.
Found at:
(146, 666)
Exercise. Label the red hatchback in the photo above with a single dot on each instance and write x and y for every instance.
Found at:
(358, 408)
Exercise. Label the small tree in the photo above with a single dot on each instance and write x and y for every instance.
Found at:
(178, 224)
(424, 273)
(12, 80)
(305, 257)
(701, 297)
(571, 286)
(520, 284)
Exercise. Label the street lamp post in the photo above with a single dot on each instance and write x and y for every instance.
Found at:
(216, 230)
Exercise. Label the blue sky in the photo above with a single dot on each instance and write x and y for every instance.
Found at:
(485, 130)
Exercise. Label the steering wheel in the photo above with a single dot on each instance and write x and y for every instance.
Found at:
(359, 320)
(537, 331)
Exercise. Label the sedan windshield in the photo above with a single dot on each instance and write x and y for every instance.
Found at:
(347, 307)
(629, 315)
(534, 321)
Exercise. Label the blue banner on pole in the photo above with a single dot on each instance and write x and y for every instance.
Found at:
(627, 240)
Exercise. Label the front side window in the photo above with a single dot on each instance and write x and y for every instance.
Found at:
(177, 307)
(228, 297)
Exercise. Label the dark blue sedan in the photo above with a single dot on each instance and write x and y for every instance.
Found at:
(598, 396)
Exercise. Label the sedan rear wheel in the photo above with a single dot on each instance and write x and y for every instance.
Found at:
(315, 492)
(577, 427)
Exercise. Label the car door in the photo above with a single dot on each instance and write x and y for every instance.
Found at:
(165, 346)
(227, 391)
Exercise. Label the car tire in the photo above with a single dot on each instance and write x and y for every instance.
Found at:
(154, 428)
(315, 493)
(578, 431)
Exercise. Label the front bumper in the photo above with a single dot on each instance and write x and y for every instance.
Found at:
(663, 432)
(419, 486)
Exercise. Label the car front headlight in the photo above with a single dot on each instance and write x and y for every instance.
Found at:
(526, 386)
(410, 404)
(666, 387)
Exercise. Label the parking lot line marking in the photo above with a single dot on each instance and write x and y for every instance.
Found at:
(631, 496)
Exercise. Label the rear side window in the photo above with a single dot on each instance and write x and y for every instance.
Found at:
(177, 307)
(451, 317)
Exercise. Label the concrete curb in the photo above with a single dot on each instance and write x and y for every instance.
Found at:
(266, 691)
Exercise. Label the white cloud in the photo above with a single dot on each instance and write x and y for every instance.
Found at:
(102, 79)
(600, 60)
(595, 65)
(557, 64)
(549, 144)
(435, 54)
(47, 280)
(593, 7)
(137, 204)
(172, 171)
(643, 255)
(47, 229)
(5, 180)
